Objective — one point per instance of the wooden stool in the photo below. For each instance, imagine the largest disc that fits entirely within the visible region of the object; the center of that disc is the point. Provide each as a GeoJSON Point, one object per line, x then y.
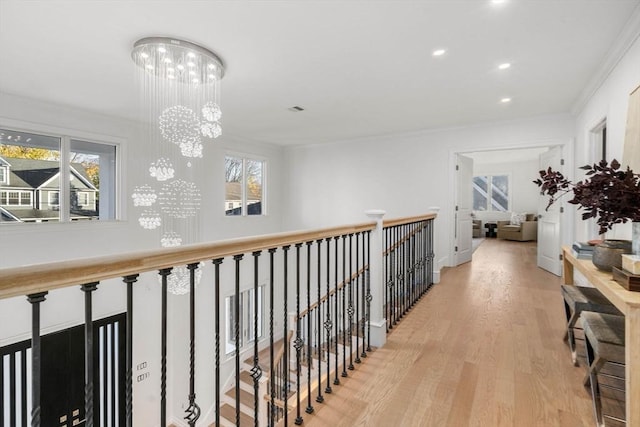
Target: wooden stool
{"type": "Point", "coordinates": [578, 299]}
{"type": "Point", "coordinates": [604, 340]}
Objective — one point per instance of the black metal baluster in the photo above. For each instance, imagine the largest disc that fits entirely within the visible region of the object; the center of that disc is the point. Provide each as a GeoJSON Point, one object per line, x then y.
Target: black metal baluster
{"type": "Point", "coordinates": [236, 329]}
{"type": "Point", "coordinates": [88, 288]}
{"type": "Point", "coordinates": [402, 272]}
{"type": "Point", "coordinates": [350, 310]}
{"type": "Point", "coordinates": [369, 296]}
{"type": "Point", "coordinates": [357, 297]}
{"type": "Point", "coordinates": [327, 323]}
{"type": "Point", "coordinates": [412, 266]}
{"type": "Point", "coordinates": [309, 409]}
{"type": "Point", "coordinates": [336, 381]}
{"type": "Point", "coordinates": [13, 413]}
{"type": "Point", "coordinates": [105, 357]}
{"type": "Point", "coordinates": [36, 360]}
{"type": "Point", "coordinates": [298, 342]}
{"type": "Point", "coordinates": [23, 386]}
{"type": "Point", "coordinates": [344, 306]}
{"type": "Point", "coordinates": [164, 273]}
{"type": "Point", "coordinates": [256, 371]}
{"type": "Point", "coordinates": [387, 277]}
{"type": "Point", "coordinates": [272, 372]}
{"type": "Point", "coordinates": [216, 284]}
{"type": "Point", "coordinates": [424, 258]}
{"type": "Point", "coordinates": [193, 411]}
{"type": "Point", "coordinates": [431, 254]}
{"type": "Point", "coordinates": [2, 390]}
{"type": "Point", "coordinates": [112, 380]}
{"type": "Point", "coordinates": [129, 281]}
{"type": "Point", "coordinates": [285, 343]}
{"type": "Point", "coordinates": [363, 302]}
{"type": "Point", "coordinates": [319, 398]}
{"type": "Point", "coordinates": [394, 276]}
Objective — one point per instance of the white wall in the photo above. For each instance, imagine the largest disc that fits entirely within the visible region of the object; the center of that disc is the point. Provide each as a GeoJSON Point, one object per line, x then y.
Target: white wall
{"type": "Point", "coordinates": [610, 101]}
{"type": "Point", "coordinates": [25, 244]}
{"type": "Point", "coordinates": [402, 174]}
{"type": "Point", "coordinates": [523, 192]}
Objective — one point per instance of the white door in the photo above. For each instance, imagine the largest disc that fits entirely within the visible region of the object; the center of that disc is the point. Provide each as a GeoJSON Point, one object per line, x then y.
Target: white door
{"type": "Point", "coordinates": [464, 205]}
{"type": "Point", "coordinates": [549, 220]}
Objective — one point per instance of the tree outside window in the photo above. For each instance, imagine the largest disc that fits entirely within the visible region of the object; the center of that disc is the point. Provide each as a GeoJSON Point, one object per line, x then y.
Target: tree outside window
{"type": "Point", "coordinates": [244, 186]}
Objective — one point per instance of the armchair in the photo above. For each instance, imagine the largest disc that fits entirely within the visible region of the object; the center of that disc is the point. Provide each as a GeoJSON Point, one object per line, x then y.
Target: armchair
{"type": "Point", "coordinates": [526, 231]}
{"type": "Point", "coordinates": [477, 228]}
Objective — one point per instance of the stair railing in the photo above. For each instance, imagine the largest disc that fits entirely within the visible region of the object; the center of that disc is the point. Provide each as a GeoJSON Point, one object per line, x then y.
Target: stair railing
{"type": "Point", "coordinates": [328, 269]}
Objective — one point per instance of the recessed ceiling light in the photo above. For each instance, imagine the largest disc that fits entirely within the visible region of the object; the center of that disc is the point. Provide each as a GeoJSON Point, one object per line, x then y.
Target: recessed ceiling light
{"type": "Point", "coordinates": [498, 1]}
{"type": "Point", "coordinates": [504, 66]}
{"type": "Point", "coordinates": [439, 52]}
{"type": "Point", "coordinates": [505, 100]}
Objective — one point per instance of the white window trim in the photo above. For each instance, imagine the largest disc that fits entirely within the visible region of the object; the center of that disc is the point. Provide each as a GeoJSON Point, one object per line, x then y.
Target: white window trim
{"type": "Point", "coordinates": [489, 185]}
{"type": "Point", "coordinates": [51, 193]}
{"type": "Point", "coordinates": [66, 135]}
{"type": "Point", "coordinates": [4, 175]}
{"type": "Point", "coordinates": [244, 206]}
{"type": "Point", "coordinates": [20, 193]}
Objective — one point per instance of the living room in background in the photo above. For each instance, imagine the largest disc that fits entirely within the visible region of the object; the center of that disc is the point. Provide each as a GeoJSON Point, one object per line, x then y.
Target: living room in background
{"type": "Point", "coordinates": [244, 186]}
{"type": "Point", "coordinates": [491, 193]}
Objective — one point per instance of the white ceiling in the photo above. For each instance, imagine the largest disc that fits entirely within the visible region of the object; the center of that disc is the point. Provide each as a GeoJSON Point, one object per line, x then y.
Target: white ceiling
{"type": "Point", "coordinates": [359, 68]}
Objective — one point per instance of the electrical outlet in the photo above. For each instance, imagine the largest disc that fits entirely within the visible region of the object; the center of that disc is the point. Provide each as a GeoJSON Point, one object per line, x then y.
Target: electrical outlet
{"type": "Point", "coordinates": [141, 366]}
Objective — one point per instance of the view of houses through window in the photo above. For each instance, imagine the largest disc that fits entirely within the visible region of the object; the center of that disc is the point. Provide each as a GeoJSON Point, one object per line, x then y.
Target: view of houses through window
{"type": "Point", "coordinates": [491, 193]}
{"type": "Point", "coordinates": [244, 186]}
{"type": "Point", "coordinates": [30, 184]}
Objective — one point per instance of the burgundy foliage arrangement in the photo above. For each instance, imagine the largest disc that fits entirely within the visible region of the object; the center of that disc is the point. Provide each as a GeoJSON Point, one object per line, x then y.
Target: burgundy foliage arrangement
{"type": "Point", "coordinates": [608, 193]}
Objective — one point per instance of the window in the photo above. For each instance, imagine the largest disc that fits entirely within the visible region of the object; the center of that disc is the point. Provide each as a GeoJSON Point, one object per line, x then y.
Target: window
{"type": "Point", "coordinates": [35, 162]}
{"type": "Point", "coordinates": [54, 198]}
{"type": "Point", "coordinates": [246, 318]}
{"type": "Point", "coordinates": [244, 186]}
{"type": "Point", "coordinates": [491, 193]}
{"type": "Point", "coordinates": [15, 198]}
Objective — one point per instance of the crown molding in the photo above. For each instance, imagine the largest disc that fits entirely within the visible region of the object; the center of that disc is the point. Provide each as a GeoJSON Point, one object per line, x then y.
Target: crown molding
{"type": "Point", "coordinates": [627, 37]}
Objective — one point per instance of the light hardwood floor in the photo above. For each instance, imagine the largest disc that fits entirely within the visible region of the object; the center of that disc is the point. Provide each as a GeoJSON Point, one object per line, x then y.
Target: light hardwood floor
{"type": "Point", "coordinates": [483, 348]}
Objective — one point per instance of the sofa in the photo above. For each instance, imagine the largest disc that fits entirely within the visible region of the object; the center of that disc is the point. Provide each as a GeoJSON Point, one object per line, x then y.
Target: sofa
{"type": "Point", "coordinates": [526, 231]}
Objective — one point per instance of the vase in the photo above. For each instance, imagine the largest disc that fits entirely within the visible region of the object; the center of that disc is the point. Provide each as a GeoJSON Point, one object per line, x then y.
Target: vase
{"type": "Point", "coordinates": [608, 254]}
{"type": "Point", "coordinates": [635, 237]}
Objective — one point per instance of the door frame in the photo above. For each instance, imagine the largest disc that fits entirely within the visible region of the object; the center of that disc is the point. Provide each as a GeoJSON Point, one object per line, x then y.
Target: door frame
{"type": "Point", "coordinates": [567, 221]}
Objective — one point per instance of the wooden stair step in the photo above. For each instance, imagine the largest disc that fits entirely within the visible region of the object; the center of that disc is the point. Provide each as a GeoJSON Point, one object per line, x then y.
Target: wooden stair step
{"type": "Point", "coordinates": [246, 398]}
{"type": "Point", "coordinates": [228, 412]}
{"type": "Point", "coordinates": [246, 377]}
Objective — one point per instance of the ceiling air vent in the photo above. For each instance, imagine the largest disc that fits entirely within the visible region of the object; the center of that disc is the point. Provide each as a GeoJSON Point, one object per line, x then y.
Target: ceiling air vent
{"type": "Point", "coordinates": [295, 109]}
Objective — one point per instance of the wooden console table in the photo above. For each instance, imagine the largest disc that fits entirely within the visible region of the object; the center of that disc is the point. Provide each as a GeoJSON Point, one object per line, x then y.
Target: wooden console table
{"type": "Point", "coordinates": [629, 304]}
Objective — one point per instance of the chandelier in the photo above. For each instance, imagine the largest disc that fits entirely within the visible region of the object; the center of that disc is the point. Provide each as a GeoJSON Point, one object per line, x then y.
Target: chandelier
{"type": "Point", "coordinates": [179, 84]}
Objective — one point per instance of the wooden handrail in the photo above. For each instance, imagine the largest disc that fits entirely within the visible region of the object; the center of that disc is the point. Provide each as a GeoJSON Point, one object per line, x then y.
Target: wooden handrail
{"type": "Point", "coordinates": [331, 292]}
{"type": "Point", "coordinates": [408, 220]}
{"type": "Point", "coordinates": [399, 242]}
{"type": "Point", "coordinates": [26, 280]}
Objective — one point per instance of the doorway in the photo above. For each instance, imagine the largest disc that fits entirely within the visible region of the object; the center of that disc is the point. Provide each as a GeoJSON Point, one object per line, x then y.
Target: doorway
{"type": "Point", "coordinates": [62, 380]}
{"type": "Point", "coordinates": [518, 167]}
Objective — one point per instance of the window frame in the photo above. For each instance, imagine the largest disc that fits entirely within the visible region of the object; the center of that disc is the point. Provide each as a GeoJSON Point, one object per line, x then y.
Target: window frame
{"type": "Point", "coordinates": [4, 174]}
{"type": "Point", "coordinates": [489, 177]}
{"type": "Point", "coordinates": [66, 136]}
{"type": "Point", "coordinates": [246, 321]}
{"type": "Point", "coordinates": [244, 211]}
{"type": "Point", "coordinates": [4, 195]}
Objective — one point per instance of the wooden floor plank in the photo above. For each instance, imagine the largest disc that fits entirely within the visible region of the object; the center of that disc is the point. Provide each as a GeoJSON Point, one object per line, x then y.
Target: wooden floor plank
{"type": "Point", "coordinates": [483, 347]}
